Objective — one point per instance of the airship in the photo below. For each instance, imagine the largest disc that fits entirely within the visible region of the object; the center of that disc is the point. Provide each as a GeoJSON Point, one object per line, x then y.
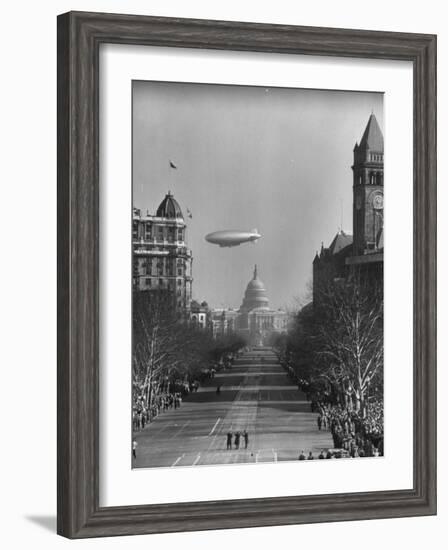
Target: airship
{"type": "Point", "coordinates": [232, 237]}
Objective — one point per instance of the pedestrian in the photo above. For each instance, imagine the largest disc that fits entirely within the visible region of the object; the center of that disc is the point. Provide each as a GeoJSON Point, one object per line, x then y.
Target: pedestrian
{"type": "Point", "coordinates": [140, 420]}
{"type": "Point", "coordinates": [329, 455]}
{"type": "Point", "coordinates": [246, 439]}
{"type": "Point", "coordinates": [302, 456]}
{"type": "Point", "coordinates": [310, 456]}
{"type": "Point", "coordinates": [134, 448]}
{"type": "Point", "coordinates": [229, 440]}
{"type": "Point", "coordinates": [218, 390]}
{"type": "Point", "coordinates": [319, 422]}
{"type": "Point", "coordinates": [321, 455]}
{"type": "Point", "coordinates": [237, 440]}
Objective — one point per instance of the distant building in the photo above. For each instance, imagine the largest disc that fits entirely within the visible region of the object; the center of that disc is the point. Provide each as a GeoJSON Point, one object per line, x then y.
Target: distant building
{"type": "Point", "coordinates": [255, 321]}
{"type": "Point", "coordinates": [330, 263]}
{"type": "Point", "coordinates": [223, 321]}
{"type": "Point", "coordinates": [200, 314]}
{"type": "Point", "coordinates": [161, 258]}
{"type": "Point", "coordinates": [363, 251]}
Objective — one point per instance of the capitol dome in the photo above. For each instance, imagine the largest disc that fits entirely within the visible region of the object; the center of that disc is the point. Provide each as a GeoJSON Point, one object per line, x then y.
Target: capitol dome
{"type": "Point", "coordinates": [255, 296]}
{"type": "Point", "coordinates": [169, 208]}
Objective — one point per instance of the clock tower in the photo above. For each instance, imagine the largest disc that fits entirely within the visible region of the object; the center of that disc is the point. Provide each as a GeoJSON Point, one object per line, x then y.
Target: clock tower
{"type": "Point", "coordinates": [368, 186]}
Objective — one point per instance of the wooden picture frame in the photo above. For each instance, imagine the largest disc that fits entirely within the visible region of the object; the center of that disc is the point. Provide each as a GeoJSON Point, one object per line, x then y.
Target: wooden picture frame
{"type": "Point", "coordinates": [79, 38]}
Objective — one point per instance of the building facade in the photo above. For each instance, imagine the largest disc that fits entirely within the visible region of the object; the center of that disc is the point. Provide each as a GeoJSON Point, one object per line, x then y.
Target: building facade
{"type": "Point", "coordinates": [368, 185]}
{"type": "Point", "coordinates": [161, 258]}
{"type": "Point", "coordinates": [200, 314]}
{"type": "Point", "coordinates": [361, 252]}
{"type": "Point", "coordinates": [223, 321]}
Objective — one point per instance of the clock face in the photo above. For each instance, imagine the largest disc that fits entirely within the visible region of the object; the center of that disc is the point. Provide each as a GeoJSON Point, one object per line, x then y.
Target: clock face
{"type": "Point", "coordinates": [378, 202]}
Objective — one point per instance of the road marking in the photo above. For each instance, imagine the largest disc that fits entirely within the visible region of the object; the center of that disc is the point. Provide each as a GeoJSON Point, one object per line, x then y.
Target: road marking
{"type": "Point", "coordinates": [180, 429]}
{"type": "Point", "coordinates": [197, 459]}
{"type": "Point", "coordinates": [214, 427]}
{"type": "Point", "coordinates": [177, 460]}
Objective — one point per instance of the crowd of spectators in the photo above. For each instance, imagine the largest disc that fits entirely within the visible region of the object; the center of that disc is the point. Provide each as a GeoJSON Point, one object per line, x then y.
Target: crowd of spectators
{"type": "Point", "coordinates": [142, 415]}
{"type": "Point", "coordinates": [357, 433]}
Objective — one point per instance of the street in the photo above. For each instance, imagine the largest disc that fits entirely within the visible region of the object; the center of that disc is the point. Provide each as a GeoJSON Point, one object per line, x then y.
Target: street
{"type": "Point", "coordinates": [257, 396]}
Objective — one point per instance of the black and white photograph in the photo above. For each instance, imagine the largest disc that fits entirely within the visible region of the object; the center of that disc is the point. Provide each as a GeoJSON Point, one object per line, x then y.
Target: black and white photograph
{"type": "Point", "coordinates": [257, 274]}
{"type": "Point", "coordinates": [204, 336]}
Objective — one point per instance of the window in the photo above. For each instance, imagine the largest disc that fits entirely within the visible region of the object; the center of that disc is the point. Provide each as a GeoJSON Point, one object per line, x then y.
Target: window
{"type": "Point", "coordinates": [179, 282]}
{"type": "Point", "coordinates": [148, 282]}
{"type": "Point", "coordinates": [179, 271]}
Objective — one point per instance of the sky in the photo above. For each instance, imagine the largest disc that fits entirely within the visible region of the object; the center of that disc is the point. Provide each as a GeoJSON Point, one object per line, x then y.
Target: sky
{"type": "Point", "coordinates": [275, 159]}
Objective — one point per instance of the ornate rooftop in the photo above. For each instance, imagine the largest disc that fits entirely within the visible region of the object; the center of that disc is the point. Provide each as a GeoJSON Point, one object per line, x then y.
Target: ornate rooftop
{"type": "Point", "coordinates": [169, 208]}
{"type": "Point", "coordinates": [255, 296]}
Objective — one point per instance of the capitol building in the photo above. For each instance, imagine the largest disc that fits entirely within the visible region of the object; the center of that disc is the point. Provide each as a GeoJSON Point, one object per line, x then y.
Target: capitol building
{"type": "Point", "coordinates": [162, 263]}
{"type": "Point", "coordinates": [255, 321]}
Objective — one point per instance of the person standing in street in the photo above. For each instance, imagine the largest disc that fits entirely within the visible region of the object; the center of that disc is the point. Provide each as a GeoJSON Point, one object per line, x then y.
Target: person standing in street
{"type": "Point", "coordinates": [134, 448]}
{"type": "Point", "coordinates": [246, 439]}
{"type": "Point", "coordinates": [229, 440]}
{"type": "Point", "coordinates": [237, 440]}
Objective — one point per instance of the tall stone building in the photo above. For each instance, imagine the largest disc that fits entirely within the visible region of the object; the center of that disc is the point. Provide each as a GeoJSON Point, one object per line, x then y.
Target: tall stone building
{"type": "Point", "coordinates": [361, 252]}
{"type": "Point", "coordinates": [368, 183]}
{"type": "Point", "coordinates": [161, 258]}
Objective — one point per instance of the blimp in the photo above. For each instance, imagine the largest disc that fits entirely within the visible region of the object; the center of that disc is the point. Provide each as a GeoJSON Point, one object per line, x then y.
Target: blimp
{"type": "Point", "coordinates": [233, 237]}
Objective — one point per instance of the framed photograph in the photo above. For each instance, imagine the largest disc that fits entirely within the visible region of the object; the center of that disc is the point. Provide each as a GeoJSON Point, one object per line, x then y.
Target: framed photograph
{"type": "Point", "coordinates": [246, 274]}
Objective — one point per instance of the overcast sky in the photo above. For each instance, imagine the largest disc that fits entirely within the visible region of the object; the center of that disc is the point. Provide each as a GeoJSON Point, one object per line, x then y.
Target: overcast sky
{"type": "Point", "coordinates": [274, 159]}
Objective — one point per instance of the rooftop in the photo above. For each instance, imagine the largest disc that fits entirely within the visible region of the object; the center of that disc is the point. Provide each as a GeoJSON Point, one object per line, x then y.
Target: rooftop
{"type": "Point", "coordinates": [372, 138]}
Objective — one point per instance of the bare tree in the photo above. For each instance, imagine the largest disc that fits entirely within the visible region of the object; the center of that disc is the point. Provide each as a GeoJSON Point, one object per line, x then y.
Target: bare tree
{"type": "Point", "coordinates": [166, 348]}
{"type": "Point", "coordinates": [351, 336]}
{"type": "Point", "coordinates": [336, 343]}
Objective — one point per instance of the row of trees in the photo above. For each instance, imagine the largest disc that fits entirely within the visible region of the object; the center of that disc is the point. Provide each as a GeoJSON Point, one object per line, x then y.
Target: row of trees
{"type": "Point", "coordinates": [167, 349]}
{"type": "Point", "coordinates": [336, 343]}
